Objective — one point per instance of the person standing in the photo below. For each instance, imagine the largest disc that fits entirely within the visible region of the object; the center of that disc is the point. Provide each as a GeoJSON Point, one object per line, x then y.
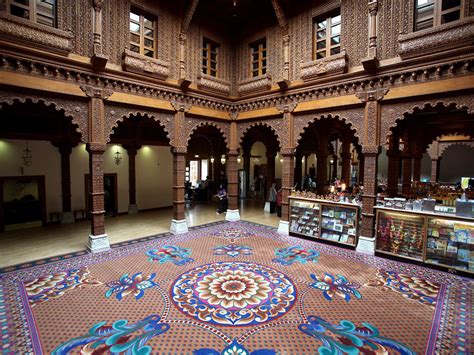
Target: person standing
{"type": "Point", "coordinates": [222, 196]}
{"type": "Point", "coordinates": [278, 201]}
{"type": "Point", "coordinates": [272, 198]}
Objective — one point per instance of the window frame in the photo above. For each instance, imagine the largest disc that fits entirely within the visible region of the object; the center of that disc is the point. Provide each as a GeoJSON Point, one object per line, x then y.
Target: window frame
{"type": "Point", "coordinates": [210, 47]}
{"type": "Point", "coordinates": [328, 17]}
{"type": "Point", "coordinates": [142, 15]}
{"type": "Point", "coordinates": [33, 11]}
{"type": "Point", "coordinates": [258, 47]}
{"type": "Point", "coordinates": [438, 14]}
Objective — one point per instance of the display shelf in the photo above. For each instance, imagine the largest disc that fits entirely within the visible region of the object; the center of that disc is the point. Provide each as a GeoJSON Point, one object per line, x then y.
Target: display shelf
{"type": "Point", "coordinates": [442, 241]}
{"type": "Point", "coordinates": [324, 220]}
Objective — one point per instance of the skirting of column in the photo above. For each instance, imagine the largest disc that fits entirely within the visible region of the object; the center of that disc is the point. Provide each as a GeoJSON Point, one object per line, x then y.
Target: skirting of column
{"type": "Point", "coordinates": [178, 227]}
{"type": "Point", "coordinates": [366, 245]}
{"type": "Point", "coordinates": [232, 215]}
{"type": "Point", "coordinates": [132, 209]}
{"type": "Point", "coordinates": [284, 227]}
{"type": "Point", "coordinates": [98, 243]}
{"type": "Point", "coordinates": [267, 207]}
{"type": "Point", "coordinates": [67, 218]}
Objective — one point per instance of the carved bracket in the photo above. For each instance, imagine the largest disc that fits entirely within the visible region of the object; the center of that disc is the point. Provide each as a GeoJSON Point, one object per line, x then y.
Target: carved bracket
{"type": "Point", "coordinates": [335, 64]}
{"type": "Point", "coordinates": [434, 40]}
{"type": "Point", "coordinates": [212, 84]}
{"type": "Point", "coordinates": [372, 95]}
{"type": "Point", "coordinates": [181, 106]}
{"type": "Point", "coordinates": [141, 64]}
{"type": "Point", "coordinates": [97, 93]}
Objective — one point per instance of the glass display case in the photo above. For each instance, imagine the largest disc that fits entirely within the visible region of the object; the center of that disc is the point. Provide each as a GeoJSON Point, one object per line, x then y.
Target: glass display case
{"type": "Point", "coordinates": [322, 219]}
{"type": "Point", "coordinates": [429, 237]}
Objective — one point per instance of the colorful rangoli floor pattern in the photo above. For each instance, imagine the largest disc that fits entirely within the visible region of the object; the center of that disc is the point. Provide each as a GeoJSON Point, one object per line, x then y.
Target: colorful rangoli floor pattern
{"type": "Point", "coordinates": [232, 288]}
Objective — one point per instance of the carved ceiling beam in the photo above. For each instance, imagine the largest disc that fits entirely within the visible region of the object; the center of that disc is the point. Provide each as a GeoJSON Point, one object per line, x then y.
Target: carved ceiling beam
{"type": "Point", "coordinates": [280, 14]}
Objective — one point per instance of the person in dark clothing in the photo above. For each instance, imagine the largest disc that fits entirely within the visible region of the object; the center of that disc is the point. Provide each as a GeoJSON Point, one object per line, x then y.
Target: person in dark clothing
{"type": "Point", "coordinates": [272, 197]}
{"type": "Point", "coordinates": [278, 202]}
{"type": "Point", "coordinates": [222, 196]}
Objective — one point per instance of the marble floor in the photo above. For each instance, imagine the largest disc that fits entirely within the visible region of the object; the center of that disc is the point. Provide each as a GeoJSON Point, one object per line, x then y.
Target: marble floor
{"type": "Point", "coordinates": [23, 245]}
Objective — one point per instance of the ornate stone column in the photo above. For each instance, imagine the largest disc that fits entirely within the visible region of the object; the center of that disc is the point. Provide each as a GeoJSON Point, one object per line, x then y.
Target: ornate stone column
{"type": "Point", "coordinates": [178, 224]}
{"type": "Point", "coordinates": [98, 239]}
{"type": "Point", "coordinates": [232, 213]}
{"type": "Point", "coordinates": [132, 185]}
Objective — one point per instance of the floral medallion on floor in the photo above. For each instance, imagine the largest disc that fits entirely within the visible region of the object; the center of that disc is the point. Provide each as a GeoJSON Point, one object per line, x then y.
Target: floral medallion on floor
{"type": "Point", "coordinates": [233, 250]}
{"type": "Point", "coordinates": [136, 285]}
{"type": "Point", "coordinates": [233, 293]}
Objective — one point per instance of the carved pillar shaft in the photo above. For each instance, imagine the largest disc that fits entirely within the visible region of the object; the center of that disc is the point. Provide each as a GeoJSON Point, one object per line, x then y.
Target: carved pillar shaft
{"type": "Point", "coordinates": [96, 187]}
{"type": "Point", "coordinates": [406, 174]}
{"type": "Point", "coordinates": [232, 179]}
{"type": "Point", "coordinates": [179, 167]}
{"type": "Point", "coordinates": [434, 170]}
{"type": "Point", "coordinates": [97, 4]}
{"type": "Point", "coordinates": [417, 168]}
{"type": "Point", "coordinates": [132, 186]}
{"type": "Point", "coordinates": [373, 7]}
{"type": "Point", "coordinates": [182, 55]}
{"type": "Point", "coordinates": [287, 170]}
{"type": "Point", "coordinates": [298, 167]}
{"type": "Point", "coordinates": [370, 190]}
{"type": "Point", "coordinates": [361, 169]}
{"type": "Point", "coordinates": [246, 157]}
{"type": "Point", "coordinates": [346, 161]}
{"type": "Point", "coordinates": [322, 171]}
{"type": "Point", "coordinates": [270, 169]}
{"type": "Point", "coordinates": [286, 57]}
{"type": "Point", "coordinates": [65, 152]}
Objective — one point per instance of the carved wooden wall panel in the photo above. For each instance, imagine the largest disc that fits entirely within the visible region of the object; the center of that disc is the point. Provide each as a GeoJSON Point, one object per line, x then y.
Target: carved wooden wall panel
{"type": "Point", "coordinates": [392, 19]}
{"type": "Point", "coordinates": [392, 113]}
{"type": "Point", "coordinates": [277, 125]}
{"type": "Point", "coordinates": [115, 114]}
{"type": "Point", "coordinates": [76, 110]}
{"type": "Point", "coordinates": [354, 30]}
{"type": "Point", "coordinates": [191, 124]}
{"type": "Point", "coordinates": [354, 117]}
{"type": "Point", "coordinates": [79, 20]}
{"type": "Point", "coordinates": [115, 29]}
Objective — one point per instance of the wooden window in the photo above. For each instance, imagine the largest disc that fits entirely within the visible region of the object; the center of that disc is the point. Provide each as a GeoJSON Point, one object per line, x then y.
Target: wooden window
{"type": "Point", "coordinates": [258, 53]}
{"type": "Point", "coordinates": [40, 11]}
{"type": "Point", "coordinates": [142, 33]}
{"type": "Point", "coordinates": [431, 13]}
{"type": "Point", "coordinates": [209, 57]}
{"type": "Point", "coordinates": [327, 35]}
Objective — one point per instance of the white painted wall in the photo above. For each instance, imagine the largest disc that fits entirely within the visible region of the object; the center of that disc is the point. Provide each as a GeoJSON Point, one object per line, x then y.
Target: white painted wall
{"type": "Point", "coordinates": [154, 169]}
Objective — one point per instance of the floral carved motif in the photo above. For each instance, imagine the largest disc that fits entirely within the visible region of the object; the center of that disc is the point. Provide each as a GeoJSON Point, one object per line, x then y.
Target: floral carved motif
{"type": "Point", "coordinates": [393, 113]}
{"type": "Point", "coordinates": [115, 114]}
{"type": "Point", "coordinates": [436, 39]}
{"type": "Point", "coordinates": [335, 64]}
{"type": "Point", "coordinates": [353, 117]}
{"type": "Point", "coordinates": [212, 84]}
{"type": "Point", "coordinates": [141, 64]}
{"type": "Point", "coordinates": [253, 85]}
{"type": "Point", "coordinates": [34, 34]}
{"type": "Point", "coordinates": [76, 110]}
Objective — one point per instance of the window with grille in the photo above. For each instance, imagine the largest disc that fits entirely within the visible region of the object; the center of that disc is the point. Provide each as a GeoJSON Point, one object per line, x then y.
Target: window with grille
{"type": "Point", "coordinates": [209, 57]}
{"type": "Point", "coordinates": [142, 33]}
{"type": "Point", "coordinates": [258, 53]}
{"type": "Point", "coordinates": [327, 35]}
{"type": "Point", "coordinates": [39, 11]}
{"type": "Point", "coordinates": [431, 13]}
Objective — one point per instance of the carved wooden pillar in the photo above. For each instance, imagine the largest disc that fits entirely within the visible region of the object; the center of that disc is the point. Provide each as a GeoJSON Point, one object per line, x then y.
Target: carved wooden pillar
{"type": "Point", "coordinates": [393, 154]}
{"type": "Point", "coordinates": [370, 190]}
{"type": "Point", "coordinates": [346, 161]}
{"type": "Point", "coordinates": [417, 167]}
{"type": "Point", "coordinates": [270, 168]}
{"type": "Point", "coordinates": [98, 58]}
{"type": "Point", "coordinates": [371, 62]}
{"type": "Point", "coordinates": [132, 185]}
{"type": "Point", "coordinates": [287, 181]}
{"type": "Point", "coordinates": [321, 168]}
{"type": "Point", "coordinates": [98, 240]}
{"type": "Point", "coordinates": [246, 157]}
{"type": "Point", "coordinates": [65, 149]}
{"type": "Point", "coordinates": [232, 213]}
{"type": "Point", "coordinates": [406, 172]}
{"type": "Point", "coordinates": [361, 169]}
{"type": "Point", "coordinates": [434, 170]}
{"type": "Point", "coordinates": [298, 168]}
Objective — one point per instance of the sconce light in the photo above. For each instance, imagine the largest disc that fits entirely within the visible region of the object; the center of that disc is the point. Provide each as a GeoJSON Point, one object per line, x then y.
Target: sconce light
{"type": "Point", "coordinates": [331, 161]}
{"type": "Point", "coordinates": [196, 155]}
{"type": "Point", "coordinates": [302, 160]}
{"type": "Point", "coordinates": [281, 160]}
{"type": "Point", "coordinates": [26, 156]}
{"type": "Point", "coordinates": [118, 157]}
{"type": "Point", "coordinates": [212, 160]}
{"type": "Point", "coordinates": [239, 159]}
{"type": "Point", "coordinates": [223, 159]}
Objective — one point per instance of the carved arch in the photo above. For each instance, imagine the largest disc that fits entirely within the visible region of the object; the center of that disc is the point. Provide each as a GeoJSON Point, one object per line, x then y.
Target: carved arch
{"type": "Point", "coordinates": [392, 114]}
{"type": "Point", "coordinates": [444, 147]}
{"type": "Point", "coordinates": [77, 111]}
{"type": "Point", "coordinates": [115, 114]}
{"type": "Point", "coordinates": [191, 124]}
{"type": "Point", "coordinates": [354, 118]}
{"type": "Point", "coordinates": [244, 128]}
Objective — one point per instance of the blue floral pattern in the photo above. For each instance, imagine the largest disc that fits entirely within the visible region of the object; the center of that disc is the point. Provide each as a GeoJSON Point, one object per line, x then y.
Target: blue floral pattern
{"type": "Point", "coordinates": [294, 254]}
{"type": "Point", "coordinates": [172, 253]}
{"type": "Point", "coordinates": [336, 286]}
{"type": "Point", "coordinates": [234, 348]}
{"type": "Point", "coordinates": [233, 250]}
{"type": "Point", "coordinates": [127, 285]}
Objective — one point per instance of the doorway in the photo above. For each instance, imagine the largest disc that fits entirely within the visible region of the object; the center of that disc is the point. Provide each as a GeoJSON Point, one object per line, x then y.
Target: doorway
{"type": "Point", "coordinates": [110, 194]}
{"type": "Point", "coordinates": [23, 202]}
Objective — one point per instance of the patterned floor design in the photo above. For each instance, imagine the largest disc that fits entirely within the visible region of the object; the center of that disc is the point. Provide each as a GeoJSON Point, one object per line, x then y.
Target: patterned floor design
{"type": "Point", "coordinates": [232, 288]}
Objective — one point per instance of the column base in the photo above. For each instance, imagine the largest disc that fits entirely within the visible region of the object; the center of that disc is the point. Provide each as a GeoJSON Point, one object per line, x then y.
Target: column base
{"type": "Point", "coordinates": [267, 207]}
{"type": "Point", "coordinates": [98, 243]}
{"type": "Point", "coordinates": [232, 215]}
{"type": "Point", "coordinates": [366, 245]}
{"type": "Point", "coordinates": [132, 209]}
{"type": "Point", "coordinates": [284, 227]}
{"type": "Point", "coordinates": [178, 227]}
{"type": "Point", "coordinates": [67, 218]}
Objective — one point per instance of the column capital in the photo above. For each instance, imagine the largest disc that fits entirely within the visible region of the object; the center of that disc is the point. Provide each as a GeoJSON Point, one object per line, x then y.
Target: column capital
{"type": "Point", "coordinates": [287, 152]}
{"type": "Point", "coordinates": [373, 7]}
{"type": "Point", "coordinates": [97, 148]}
{"type": "Point", "coordinates": [371, 150]}
{"type": "Point", "coordinates": [179, 150]}
{"type": "Point", "coordinates": [233, 153]}
{"type": "Point", "coordinates": [98, 4]}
